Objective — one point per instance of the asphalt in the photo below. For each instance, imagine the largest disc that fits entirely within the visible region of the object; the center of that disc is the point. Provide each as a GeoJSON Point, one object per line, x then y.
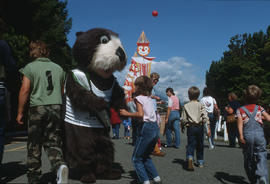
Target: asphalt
{"type": "Point", "coordinates": [222, 165]}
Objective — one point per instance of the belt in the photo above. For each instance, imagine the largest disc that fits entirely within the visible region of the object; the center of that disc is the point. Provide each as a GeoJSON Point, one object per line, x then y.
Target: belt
{"type": "Point", "coordinates": [194, 124]}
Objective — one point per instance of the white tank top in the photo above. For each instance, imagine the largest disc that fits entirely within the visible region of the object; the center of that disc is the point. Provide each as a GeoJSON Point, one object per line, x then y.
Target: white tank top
{"type": "Point", "coordinates": [80, 117]}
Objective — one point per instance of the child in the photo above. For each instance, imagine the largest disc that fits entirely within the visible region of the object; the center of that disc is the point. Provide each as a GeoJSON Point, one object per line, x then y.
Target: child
{"type": "Point", "coordinates": [251, 135]}
{"type": "Point", "coordinates": [194, 116]}
{"type": "Point", "coordinates": [115, 121]}
{"type": "Point", "coordinates": [148, 131]}
{"type": "Point", "coordinates": [127, 125]}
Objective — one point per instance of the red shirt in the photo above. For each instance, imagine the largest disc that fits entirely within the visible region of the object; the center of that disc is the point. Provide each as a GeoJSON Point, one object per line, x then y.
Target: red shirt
{"type": "Point", "coordinates": [115, 118]}
{"type": "Point", "coordinates": [250, 108]}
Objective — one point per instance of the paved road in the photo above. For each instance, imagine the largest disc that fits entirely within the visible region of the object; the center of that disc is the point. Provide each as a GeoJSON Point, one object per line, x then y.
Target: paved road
{"type": "Point", "coordinates": [223, 164]}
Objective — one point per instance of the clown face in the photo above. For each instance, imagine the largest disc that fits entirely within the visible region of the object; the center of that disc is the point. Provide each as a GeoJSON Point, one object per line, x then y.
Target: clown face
{"type": "Point", "coordinates": [143, 49]}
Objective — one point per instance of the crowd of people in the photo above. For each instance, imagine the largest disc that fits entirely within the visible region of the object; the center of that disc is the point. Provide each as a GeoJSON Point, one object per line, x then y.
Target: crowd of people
{"type": "Point", "coordinates": [141, 121]}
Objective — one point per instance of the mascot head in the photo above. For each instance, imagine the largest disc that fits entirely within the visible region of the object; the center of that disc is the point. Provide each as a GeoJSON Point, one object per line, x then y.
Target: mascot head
{"type": "Point", "coordinates": [99, 50]}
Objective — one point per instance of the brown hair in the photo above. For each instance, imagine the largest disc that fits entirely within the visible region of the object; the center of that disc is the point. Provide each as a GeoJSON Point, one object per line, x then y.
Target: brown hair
{"type": "Point", "coordinates": [143, 86]}
{"type": "Point", "coordinates": [252, 94]}
{"type": "Point", "coordinates": [170, 90]}
{"type": "Point", "coordinates": [233, 96]}
{"type": "Point", "coordinates": [38, 49]}
{"type": "Point", "coordinates": [193, 93]}
{"type": "Point", "coordinates": [154, 75]}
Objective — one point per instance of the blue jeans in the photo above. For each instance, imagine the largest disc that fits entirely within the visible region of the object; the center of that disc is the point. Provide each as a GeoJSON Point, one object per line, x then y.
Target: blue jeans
{"type": "Point", "coordinates": [173, 125]}
{"type": "Point", "coordinates": [195, 136]}
{"type": "Point", "coordinates": [135, 130]}
{"type": "Point", "coordinates": [115, 129]}
{"type": "Point", "coordinates": [212, 126]}
{"type": "Point", "coordinates": [126, 132]}
{"type": "Point", "coordinates": [255, 156]}
{"type": "Point", "coordinates": [145, 144]}
{"type": "Point", "coordinates": [2, 122]}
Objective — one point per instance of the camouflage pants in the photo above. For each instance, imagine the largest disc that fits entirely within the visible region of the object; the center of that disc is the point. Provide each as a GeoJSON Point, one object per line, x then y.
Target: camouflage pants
{"type": "Point", "coordinates": [44, 129]}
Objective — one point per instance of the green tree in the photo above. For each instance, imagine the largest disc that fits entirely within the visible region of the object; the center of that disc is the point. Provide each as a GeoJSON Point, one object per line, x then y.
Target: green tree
{"type": "Point", "coordinates": [29, 20]}
{"type": "Point", "coordinates": [246, 62]}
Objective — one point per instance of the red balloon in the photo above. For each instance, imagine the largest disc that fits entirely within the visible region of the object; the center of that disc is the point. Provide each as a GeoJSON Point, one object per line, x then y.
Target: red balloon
{"type": "Point", "coordinates": [154, 13]}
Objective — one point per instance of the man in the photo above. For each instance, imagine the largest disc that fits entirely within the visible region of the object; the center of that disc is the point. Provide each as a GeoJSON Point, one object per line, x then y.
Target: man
{"type": "Point", "coordinates": [7, 68]}
{"type": "Point", "coordinates": [155, 78]}
{"type": "Point", "coordinates": [42, 82]}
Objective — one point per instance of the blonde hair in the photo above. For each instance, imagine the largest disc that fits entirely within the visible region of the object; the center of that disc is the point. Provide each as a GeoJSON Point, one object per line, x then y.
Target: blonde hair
{"type": "Point", "coordinates": [252, 94]}
{"type": "Point", "coordinates": [233, 96]}
{"type": "Point", "coordinates": [154, 75]}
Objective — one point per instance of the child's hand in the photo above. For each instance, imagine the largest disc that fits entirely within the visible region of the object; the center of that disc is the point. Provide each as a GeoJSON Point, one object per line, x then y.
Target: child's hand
{"type": "Point", "coordinates": [123, 112]}
{"type": "Point", "coordinates": [242, 140]}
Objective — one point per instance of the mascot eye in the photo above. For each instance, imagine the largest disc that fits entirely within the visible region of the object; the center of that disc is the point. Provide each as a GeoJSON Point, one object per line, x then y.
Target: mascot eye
{"type": "Point", "coordinates": [104, 39]}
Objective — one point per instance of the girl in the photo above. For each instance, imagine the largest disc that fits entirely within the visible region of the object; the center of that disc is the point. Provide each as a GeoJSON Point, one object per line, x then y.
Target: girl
{"type": "Point", "coordinates": [148, 131]}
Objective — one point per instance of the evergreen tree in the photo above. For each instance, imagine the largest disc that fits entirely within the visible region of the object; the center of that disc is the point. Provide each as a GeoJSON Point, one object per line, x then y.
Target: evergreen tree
{"type": "Point", "coordinates": [246, 62]}
{"type": "Point", "coordinates": [29, 20]}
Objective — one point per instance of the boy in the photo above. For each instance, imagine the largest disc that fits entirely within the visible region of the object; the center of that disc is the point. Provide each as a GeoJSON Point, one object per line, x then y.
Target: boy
{"type": "Point", "coordinates": [251, 135]}
{"type": "Point", "coordinates": [194, 116]}
{"type": "Point", "coordinates": [42, 84]}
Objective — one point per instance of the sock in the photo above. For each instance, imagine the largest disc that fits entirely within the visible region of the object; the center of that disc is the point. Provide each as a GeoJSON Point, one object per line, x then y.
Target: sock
{"type": "Point", "coordinates": [157, 179]}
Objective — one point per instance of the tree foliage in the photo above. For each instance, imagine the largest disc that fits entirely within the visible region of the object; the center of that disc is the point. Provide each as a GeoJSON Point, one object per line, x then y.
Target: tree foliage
{"type": "Point", "coordinates": [246, 62]}
{"type": "Point", "coordinates": [45, 20]}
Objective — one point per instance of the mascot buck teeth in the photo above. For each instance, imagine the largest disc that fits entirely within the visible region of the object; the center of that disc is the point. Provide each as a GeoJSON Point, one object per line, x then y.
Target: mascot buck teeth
{"type": "Point", "coordinates": [90, 90]}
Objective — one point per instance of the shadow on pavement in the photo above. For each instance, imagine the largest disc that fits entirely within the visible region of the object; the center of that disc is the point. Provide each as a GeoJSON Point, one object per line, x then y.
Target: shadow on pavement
{"type": "Point", "coordinates": [226, 177]}
{"type": "Point", "coordinates": [268, 156]}
{"type": "Point", "coordinates": [75, 174]}
{"type": "Point", "coordinates": [12, 170]}
{"type": "Point", "coordinates": [181, 162]}
{"type": "Point", "coordinates": [48, 178]}
{"type": "Point", "coordinates": [133, 175]}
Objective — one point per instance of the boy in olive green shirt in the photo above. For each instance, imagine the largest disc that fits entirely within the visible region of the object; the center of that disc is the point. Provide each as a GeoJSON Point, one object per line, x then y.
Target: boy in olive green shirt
{"type": "Point", "coordinates": [42, 83]}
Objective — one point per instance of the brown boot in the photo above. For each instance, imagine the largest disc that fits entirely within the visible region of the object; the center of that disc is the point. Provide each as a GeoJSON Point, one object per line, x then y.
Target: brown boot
{"type": "Point", "coordinates": [190, 165]}
{"type": "Point", "coordinates": [113, 174]}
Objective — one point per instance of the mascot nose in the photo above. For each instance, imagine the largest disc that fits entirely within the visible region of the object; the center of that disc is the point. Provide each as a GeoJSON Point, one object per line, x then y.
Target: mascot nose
{"type": "Point", "coordinates": [120, 52]}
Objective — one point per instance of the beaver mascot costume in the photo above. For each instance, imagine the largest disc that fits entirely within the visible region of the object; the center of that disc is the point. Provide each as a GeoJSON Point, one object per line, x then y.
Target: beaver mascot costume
{"type": "Point", "coordinates": [91, 89]}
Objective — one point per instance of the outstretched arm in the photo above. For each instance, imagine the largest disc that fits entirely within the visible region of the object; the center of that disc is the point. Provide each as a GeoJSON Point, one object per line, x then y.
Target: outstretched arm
{"type": "Point", "coordinates": [82, 98]}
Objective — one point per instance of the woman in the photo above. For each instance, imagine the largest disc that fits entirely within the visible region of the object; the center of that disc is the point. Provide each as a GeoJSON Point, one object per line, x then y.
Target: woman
{"type": "Point", "coordinates": [210, 104]}
{"type": "Point", "coordinates": [172, 119]}
{"type": "Point", "coordinates": [232, 126]}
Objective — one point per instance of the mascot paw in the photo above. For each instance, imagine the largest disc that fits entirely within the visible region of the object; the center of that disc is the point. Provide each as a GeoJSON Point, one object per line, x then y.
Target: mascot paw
{"type": "Point", "coordinates": [88, 178]}
{"type": "Point", "coordinates": [113, 174]}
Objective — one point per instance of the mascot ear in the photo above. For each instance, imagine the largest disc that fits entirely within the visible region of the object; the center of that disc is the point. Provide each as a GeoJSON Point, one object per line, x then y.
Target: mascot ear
{"type": "Point", "coordinates": [79, 33]}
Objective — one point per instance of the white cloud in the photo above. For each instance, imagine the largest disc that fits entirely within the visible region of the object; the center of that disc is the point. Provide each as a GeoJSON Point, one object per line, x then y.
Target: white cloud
{"type": "Point", "coordinates": [176, 72]}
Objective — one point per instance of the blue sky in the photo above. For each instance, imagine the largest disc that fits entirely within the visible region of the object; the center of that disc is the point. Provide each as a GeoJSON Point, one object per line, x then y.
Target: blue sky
{"type": "Point", "coordinates": [185, 37]}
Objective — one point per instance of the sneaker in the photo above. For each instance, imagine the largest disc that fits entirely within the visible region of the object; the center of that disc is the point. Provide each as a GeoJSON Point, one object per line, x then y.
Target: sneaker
{"type": "Point", "coordinates": [200, 165]}
{"type": "Point", "coordinates": [211, 147]}
{"type": "Point", "coordinates": [190, 165]}
{"type": "Point", "coordinates": [157, 180]}
{"type": "Point", "coordinates": [62, 175]}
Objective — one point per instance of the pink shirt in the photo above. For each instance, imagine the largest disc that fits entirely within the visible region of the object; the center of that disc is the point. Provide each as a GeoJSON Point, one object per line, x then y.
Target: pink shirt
{"type": "Point", "coordinates": [149, 114]}
{"type": "Point", "coordinates": [173, 102]}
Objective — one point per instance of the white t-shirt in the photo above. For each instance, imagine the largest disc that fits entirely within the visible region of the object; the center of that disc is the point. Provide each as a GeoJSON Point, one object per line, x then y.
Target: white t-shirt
{"type": "Point", "coordinates": [208, 103]}
{"type": "Point", "coordinates": [148, 108]}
